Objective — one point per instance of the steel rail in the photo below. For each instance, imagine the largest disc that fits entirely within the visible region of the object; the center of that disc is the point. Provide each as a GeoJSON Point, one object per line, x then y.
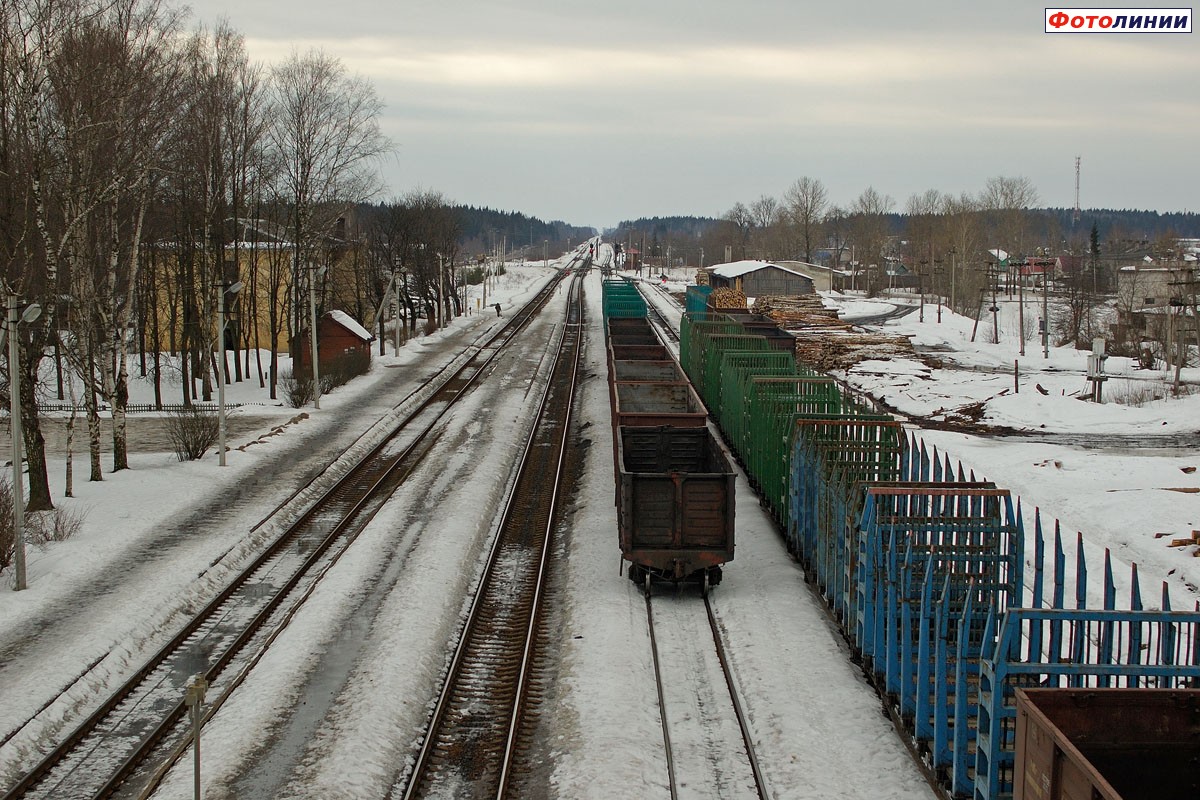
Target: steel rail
{"type": "Point", "coordinates": [531, 633]}
{"type": "Point", "coordinates": [149, 742]}
{"type": "Point", "coordinates": [662, 324]}
{"type": "Point", "coordinates": [760, 781]}
{"type": "Point", "coordinates": [734, 695]}
{"type": "Point", "coordinates": [422, 764]}
{"type": "Point", "coordinates": [662, 699]}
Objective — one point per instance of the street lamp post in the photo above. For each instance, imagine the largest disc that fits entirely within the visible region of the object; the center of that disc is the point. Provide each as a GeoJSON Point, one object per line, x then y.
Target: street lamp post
{"type": "Point", "coordinates": [227, 289]}
{"type": "Point", "coordinates": [17, 315]}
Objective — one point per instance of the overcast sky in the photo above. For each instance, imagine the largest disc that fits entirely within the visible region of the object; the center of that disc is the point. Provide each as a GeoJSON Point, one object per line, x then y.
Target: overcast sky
{"type": "Point", "coordinates": [597, 112]}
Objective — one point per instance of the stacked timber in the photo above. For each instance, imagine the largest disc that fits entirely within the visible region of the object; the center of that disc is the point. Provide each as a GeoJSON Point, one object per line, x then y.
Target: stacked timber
{"type": "Point", "coordinates": [799, 311]}
{"type": "Point", "coordinates": [726, 299]}
{"type": "Point", "coordinates": [825, 342]}
{"type": "Point", "coordinates": [828, 349]}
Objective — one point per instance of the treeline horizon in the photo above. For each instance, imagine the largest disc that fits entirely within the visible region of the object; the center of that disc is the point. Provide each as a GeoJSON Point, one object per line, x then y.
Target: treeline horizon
{"type": "Point", "coordinates": [1131, 224]}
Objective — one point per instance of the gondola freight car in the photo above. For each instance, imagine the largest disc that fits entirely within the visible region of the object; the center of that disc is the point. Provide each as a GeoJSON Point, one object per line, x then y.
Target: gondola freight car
{"type": "Point", "coordinates": [674, 480]}
{"type": "Point", "coordinates": [1107, 744]}
{"type": "Point", "coordinates": [675, 516]}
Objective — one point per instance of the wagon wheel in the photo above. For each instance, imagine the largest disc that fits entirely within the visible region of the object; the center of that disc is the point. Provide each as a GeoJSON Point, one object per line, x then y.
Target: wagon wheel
{"type": "Point", "coordinates": [647, 583]}
{"type": "Point", "coordinates": [707, 587]}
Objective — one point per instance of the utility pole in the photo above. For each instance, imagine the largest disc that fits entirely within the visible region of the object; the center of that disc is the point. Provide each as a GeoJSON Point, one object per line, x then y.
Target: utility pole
{"type": "Point", "coordinates": [1045, 313]}
{"type": "Point", "coordinates": [1075, 212]}
{"type": "Point", "coordinates": [18, 481]}
{"type": "Point", "coordinates": [921, 291]}
{"type": "Point", "coordinates": [313, 274]}
{"type": "Point", "coordinates": [1021, 308]}
{"type": "Point", "coordinates": [15, 317]}
{"type": "Point", "coordinates": [441, 292]}
{"type": "Point", "coordinates": [995, 312]}
{"type": "Point", "coordinates": [953, 270]}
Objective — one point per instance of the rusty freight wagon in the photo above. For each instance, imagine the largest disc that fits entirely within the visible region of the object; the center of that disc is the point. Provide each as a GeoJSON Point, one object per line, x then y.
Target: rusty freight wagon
{"type": "Point", "coordinates": [675, 504]}
{"type": "Point", "coordinates": [674, 480]}
{"type": "Point", "coordinates": [645, 403]}
{"type": "Point", "coordinates": [1108, 744]}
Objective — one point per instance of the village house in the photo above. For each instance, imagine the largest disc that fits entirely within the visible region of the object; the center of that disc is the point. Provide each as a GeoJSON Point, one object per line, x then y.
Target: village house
{"type": "Point", "coordinates": [1156, 302]}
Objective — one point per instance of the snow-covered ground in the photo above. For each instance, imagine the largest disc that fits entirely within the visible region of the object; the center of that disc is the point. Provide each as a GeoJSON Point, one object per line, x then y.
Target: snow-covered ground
{"type": "Point", "coordinates": [184, 526]}
{"type": "Point", "coordinates": [1124, 476]}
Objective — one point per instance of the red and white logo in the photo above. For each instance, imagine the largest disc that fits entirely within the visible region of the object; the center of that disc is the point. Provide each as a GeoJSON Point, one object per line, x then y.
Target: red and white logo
{"type": "Point", "coordinates": [1118, 20]}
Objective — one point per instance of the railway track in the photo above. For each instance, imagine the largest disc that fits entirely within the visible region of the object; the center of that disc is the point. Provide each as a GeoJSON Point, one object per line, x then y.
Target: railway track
{"type": "Point", "coordinates": [710, 752]}
{"type": "Point", "coordinates": [129, 741]}
{"type": "Point", "coordinates": [474, 744]}
{"type": "Point", "coordinates": [659, 320]}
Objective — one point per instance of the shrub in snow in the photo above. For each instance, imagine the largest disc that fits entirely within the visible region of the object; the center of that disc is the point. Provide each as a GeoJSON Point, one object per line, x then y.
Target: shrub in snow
{"type": "Point", "coordinates": [40, 527]}
{"type": "Point", "coordinates": [1141, 392]}
{"type": "Point", "coordinates": [344, 369]}
{"type": "Point", "coordinates": [58, 525]}
{"type": "Point", "coordinates": [297, 389]}
{"type": "Point", "coordinates": [192, 431]}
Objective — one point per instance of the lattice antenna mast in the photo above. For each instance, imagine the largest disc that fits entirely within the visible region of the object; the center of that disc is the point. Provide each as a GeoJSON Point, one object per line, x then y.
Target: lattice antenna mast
{"type": "Point", "coordinates": [1076, 212]}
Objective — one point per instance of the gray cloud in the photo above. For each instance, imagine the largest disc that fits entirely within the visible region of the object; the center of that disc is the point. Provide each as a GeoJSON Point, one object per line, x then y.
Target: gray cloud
{"type": "Point", "coordinates": [599, 112]}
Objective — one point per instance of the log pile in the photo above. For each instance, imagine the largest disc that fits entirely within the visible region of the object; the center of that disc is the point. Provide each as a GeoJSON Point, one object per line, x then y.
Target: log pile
{"type": "Point", "coordinates": [828, 350]}
{"type": "Point", "coordinates": [799, 311]}
{"type": "Point", "coordinates": [823, 341]}
{"type": "Point", "coordinates": [725, 299]}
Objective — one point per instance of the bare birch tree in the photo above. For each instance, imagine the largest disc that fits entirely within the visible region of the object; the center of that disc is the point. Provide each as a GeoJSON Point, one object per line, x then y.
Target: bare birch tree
{"type": "Point", "coordinates": [326, 137]}
{"type": "Point", "coordinates": [869, 230]}
{"type": "Point", "coordinates": [965, 235]}
{"type": "Point", "coordinates": [807, 201]}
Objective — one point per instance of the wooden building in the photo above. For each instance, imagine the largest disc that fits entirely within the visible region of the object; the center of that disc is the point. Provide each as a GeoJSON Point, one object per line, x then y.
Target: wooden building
{"type": "Point", "coordinates": [339, 337]}
{"type": "Point", "coordinates": [760, 278]}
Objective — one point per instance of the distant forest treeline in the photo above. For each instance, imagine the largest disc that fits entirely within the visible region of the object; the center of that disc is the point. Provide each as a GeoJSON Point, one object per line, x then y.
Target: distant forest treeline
{"type": "Point", "coordinates": [484, 231]}
{"type": "Point", "coordinates": [1131, 225]}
